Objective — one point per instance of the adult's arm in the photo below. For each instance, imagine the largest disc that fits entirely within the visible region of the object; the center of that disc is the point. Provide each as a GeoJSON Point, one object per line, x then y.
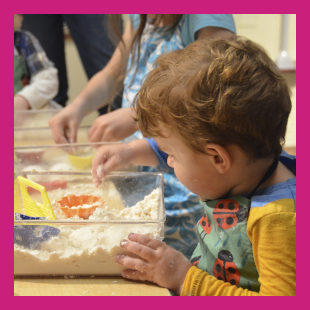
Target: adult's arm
{"type": "Point", "coordinates": [214, 32]}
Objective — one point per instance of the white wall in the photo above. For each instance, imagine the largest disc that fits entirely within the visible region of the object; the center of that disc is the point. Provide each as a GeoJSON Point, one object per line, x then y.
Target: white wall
{"type": "Point", "coordinates": [265, 29]}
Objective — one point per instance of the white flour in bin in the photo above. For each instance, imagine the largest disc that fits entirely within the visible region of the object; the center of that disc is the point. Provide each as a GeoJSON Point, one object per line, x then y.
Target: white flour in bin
{"type": "Point", "coordinates": [88, 249]}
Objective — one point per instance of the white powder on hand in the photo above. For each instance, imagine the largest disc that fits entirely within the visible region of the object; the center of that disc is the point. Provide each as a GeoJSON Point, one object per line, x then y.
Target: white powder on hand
{"type": "Point", "coordinates": [100, 171]}
{"type": "Point", "coordinates": [89, 249]}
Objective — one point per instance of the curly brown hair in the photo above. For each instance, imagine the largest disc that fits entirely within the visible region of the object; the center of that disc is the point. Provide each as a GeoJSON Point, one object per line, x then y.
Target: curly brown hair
{"type": "Point", "coordinates": [220, 91]}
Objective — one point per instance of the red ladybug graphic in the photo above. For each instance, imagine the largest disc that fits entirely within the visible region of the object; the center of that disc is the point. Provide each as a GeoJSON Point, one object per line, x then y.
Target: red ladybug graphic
{"type": "Point", "coordinates": [206, 226]}
{"type": "Point", "coordinates": [225, 269]}
{"type": "Point", "coordinates": [228, 213]}
{"type": "Point", "coordinates": [195, 260]}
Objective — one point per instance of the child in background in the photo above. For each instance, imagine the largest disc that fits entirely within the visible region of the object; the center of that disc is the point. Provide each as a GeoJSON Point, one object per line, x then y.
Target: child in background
{"type": "Point", "coordinates": [217, 113]}
{"type": "Point", "coordinates": [146, 36]}
{"type": "Point", "coordinates": [35, 77]}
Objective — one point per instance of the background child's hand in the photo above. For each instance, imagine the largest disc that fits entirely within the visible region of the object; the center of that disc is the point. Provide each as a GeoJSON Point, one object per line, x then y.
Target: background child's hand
{"type": "Point", "coordinates": [20, 103]}
{"type": "Point", "coordinates": [109, 158]}
{"type": "Point", "coordinates": [113, 126]}
{"type": "Point", "coordinates": [157, 262]}
{"type": "Point", "coordinates": [64, 125]}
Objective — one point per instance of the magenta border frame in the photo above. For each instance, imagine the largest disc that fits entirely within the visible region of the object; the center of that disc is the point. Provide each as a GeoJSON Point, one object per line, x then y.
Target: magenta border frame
{"type": "Point", "coordinates": [74, 7]}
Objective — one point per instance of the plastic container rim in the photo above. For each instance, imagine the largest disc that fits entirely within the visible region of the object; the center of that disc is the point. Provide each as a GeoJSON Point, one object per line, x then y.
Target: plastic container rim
{"type": "Point", "coordinates": [65, 145]}
{"type": "Point", "coordinates": [31, 111]}
{"type": "Point", "coordinates": [44, 128]}
{"type": "Point", "coordinates": [161, 219]}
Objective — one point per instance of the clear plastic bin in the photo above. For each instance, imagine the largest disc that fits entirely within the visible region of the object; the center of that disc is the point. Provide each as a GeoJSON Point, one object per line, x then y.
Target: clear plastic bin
{"type": "Point", "coordinates": [43, 136]}
{"type": "Point", "coordinates": [61, 158]}
{"type": "Point", "coordinates": [33, 118]}
{"type": "Point", "coordinates": [84, 247]}
{"type": "Point", "coordinates": [39, 118]}
{"type": "Point", "coordinates": [58, 157]}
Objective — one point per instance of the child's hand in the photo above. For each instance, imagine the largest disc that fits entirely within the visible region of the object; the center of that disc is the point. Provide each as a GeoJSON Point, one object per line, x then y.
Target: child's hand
{"type": "Point", "coordinates": [109, 158]}
{"type": "Point", "coordinates": [159, 263]}
{"type": "Point", "coordinates": [112, 157]}
{"type": "Point", "coordinates": [64, 125]}
{"type": "Point", "coordinates": [113, 126]}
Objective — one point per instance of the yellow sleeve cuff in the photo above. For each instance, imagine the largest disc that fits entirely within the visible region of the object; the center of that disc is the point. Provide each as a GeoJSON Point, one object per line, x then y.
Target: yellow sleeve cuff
{"type": "Point", "coordinates": [201, 283]}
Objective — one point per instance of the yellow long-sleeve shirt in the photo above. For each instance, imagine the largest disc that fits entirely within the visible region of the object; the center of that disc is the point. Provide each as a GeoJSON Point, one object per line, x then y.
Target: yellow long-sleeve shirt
{"type": "Point", "coordinates": [272, 232]}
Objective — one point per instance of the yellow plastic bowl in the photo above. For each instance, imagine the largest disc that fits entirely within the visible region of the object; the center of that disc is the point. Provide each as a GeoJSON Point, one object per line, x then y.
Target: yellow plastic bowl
{"type": "Point", "coordinates": [81, 162]}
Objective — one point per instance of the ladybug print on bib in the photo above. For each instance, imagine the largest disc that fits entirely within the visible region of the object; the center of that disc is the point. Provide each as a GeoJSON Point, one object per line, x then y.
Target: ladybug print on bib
{"type": "Point", "coordinates": [195, 260]}
{"type": "Point", "coordinates": [228, 213]}
{"type": "Point", "coordinates": [206, 226]}
{"type": "Point", "coordinates": [225, 269]}
{"type": "Point", "coordinates": [224, 249]}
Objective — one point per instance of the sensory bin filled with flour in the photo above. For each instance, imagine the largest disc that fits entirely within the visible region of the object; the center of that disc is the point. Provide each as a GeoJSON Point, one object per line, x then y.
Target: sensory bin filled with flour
{"type": "Point", "coordinates": [79, 243]}
{"type": "Point", "coordinates": [76, 157]}
{"type": "Point", "coordinates": [60, 158]}
{"type": "Point", "coordinates": [31, 136]}
{"type": "Point", "coordinates": [39, 118]}
{"type": "Point", "coordinates": [35, 118]}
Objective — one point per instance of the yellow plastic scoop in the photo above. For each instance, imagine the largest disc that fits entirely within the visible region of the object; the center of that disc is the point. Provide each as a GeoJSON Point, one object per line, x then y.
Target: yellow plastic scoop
{"type": "Point", "coordinates": [24, 204]}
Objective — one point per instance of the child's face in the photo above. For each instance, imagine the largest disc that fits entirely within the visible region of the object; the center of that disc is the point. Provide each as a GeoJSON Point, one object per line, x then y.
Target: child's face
{"type": "Point", "coordinates": [194, 170]}
{"type": "Point", "coordinates": [18, 20]}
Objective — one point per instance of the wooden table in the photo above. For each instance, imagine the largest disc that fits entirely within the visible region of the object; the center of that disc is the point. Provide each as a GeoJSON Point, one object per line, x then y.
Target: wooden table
{"type": "Point", "coordinates": [85, 287]}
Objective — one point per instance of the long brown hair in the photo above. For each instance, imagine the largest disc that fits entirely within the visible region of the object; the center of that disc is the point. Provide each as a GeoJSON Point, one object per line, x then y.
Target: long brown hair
{"type": "Point", "coordinates": [115, 20]}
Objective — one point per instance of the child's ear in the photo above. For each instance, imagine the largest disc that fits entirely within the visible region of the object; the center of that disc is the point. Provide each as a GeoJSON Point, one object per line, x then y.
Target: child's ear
{"type": "Point", "coordinates": [220, 157]}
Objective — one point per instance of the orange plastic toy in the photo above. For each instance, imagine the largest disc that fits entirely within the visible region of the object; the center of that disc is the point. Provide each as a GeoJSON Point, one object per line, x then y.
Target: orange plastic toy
{"type": "Point", "coordinates": [82, 206]}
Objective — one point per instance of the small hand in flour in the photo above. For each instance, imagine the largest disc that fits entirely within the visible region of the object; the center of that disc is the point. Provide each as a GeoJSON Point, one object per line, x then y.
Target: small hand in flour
{"type": "Point", "coordinates": [109, 158]}
{"type": "Point", "coordinates": [157, 263]}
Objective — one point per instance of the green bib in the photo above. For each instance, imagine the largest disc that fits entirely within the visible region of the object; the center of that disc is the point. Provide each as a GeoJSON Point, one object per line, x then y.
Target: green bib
{"type": "Point", "coordinates": [224, 249]}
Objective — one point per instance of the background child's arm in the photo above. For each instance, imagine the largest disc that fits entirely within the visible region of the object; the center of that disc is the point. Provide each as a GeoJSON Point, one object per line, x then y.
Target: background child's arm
{"type": "Point", "coordinates": [43, 87]}
{"type": "Point", "coordinates": [20, 103]}
{"type": "Point", "coordinates": [97, 93]}
{"type": "Point", "coordinates": [111, 157]}
{"type": "Point", "coordinates": [160, 155]}
{"type": "Point", "coordinates": [272, 231]}
{"type": "Point", "coordinates": [214, 32]}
